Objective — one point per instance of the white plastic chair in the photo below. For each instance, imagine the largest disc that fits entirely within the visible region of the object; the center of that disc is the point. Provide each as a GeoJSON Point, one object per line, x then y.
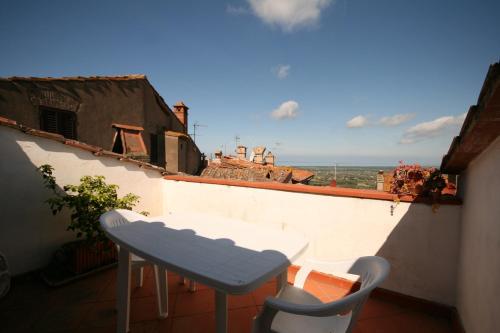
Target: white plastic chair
{"type": "Point", "coordinates": [296, 310]}
{"type": "Point", "coordinates": [118, 217]}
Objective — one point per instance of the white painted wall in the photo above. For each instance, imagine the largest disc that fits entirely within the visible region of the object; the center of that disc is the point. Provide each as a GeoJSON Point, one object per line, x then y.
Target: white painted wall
{"type": "Point", "coordinates": [421, 245]}
{"type": "Point", "coordinates": [479, 268]}
{"type": "Point", "coordinates": [29, 233]}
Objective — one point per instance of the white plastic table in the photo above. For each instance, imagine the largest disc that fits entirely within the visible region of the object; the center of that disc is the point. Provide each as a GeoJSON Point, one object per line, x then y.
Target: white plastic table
{"type": "Point", "coordinates": [230, 256]}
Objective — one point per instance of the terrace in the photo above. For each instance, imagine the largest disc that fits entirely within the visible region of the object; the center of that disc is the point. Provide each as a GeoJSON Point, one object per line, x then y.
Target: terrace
{"type": "Point", "coordinates": [89, 306]}
{"type": "Point", "coordinates": [443, 257]}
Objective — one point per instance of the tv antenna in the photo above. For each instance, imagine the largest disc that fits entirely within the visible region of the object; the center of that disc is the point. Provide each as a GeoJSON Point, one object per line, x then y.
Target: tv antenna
{"type": "Point", "coordinates": [195, 126]}
{"type": "Point", "coordinates": [236, 140]}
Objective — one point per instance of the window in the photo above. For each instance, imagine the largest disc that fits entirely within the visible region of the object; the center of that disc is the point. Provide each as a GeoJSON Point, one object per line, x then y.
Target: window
{"type": "Point", "coordinates": [128, 140]}
{"type": "Point", "coordinates": [58, 121]}
{"type": "Point", "coordinates": [153, 154]}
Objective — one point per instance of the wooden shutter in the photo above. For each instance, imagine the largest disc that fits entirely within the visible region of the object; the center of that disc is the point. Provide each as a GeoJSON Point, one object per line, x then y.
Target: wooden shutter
{"type": "Point", "coordinates": [58, 121]}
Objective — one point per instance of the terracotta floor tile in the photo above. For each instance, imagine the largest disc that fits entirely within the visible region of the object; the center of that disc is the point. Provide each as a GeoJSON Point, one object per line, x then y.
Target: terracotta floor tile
{"type": "Point", "coordinates": [377, 308]}
{"type": "Point", "coordinates": [109, 292]}
{"type": "Point", "coordinates": [26, 291]}
{"type": "Point", "coordinates": [88, 305]}
{"type": "Point", "coordinates": [153, 326]}
{"type": "Point", "coordinates": [87, 290]}
{"type": "Point", "coordinates": [436, 324]}
{"type": "Point", "coordinates": [240, 301]}
{"type": "Point", "coordinates": [408, 322]}
{"type": "Point", "coordinates": [148, 288]}
{"type": "Point", "coordinates": [101, 314]}
{"type": "Point", "coordinates": [259, 295]}
{"type": "Point", "coordinates": [201, 323]}
{"type": "Point", "coordinates": [62, 317]}
{"type": "Point", "coordinates": [18, 320]}
{"type": "Point", "coordinates": [194, 303]}
{"type": "Point", "coordinates": [146, 308]}
{"type": "Point", "coordinates": [240, 320]}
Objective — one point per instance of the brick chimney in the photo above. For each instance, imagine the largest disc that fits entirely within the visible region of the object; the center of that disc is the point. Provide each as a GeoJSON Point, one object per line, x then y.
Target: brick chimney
{"type": "Point", "coordinates": [242, 152]}
{"type": "Point", "coordinates": [259, 154]}
{"type": "Point", "coordinates": [269, 158]}
{"type": "Point", "coordinates": [181, 111]}
{"type": "Point", "coordinates": [218, 154]}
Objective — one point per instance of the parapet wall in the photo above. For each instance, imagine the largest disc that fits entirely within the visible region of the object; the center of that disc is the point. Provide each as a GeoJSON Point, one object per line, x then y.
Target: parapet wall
{"type": "Point", "coordinates": [421, 245]}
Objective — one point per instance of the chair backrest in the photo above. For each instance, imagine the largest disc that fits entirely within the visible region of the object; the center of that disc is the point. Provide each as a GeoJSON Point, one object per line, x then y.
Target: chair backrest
{"type": "Point", "coordinates": [372, 271]}
{"type": "Point", "coordinates": [117, 217]}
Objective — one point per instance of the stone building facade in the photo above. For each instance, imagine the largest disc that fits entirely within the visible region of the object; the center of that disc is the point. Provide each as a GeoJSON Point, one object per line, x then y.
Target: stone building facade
{"type": "Point", "coordinates": [124, 114]}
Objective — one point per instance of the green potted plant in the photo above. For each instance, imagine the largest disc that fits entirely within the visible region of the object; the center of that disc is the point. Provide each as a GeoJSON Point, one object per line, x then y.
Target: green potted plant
{"type": "Point", "coordinates": [86, 201]}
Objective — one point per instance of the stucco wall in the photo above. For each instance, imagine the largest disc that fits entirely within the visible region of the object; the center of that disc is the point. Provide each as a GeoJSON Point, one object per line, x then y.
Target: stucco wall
{"type": "Point", "coordinates": [479, 268]}
{"type": "Point", "coordinates": [29, 233]}
{"type": "Point", "coordinates": [100, 103]}
{"type": "Point", "coordinates": [421, 245]}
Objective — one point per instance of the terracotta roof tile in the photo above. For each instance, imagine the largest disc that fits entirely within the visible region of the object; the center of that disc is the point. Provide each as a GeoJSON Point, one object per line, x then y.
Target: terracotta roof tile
{"type": "Point", "coordinates": [177, 134]}
{"type": "Point", "coordinates": [480, 128]}
{"type": "Point", "coordinates": [79, 78]}
{"type": "Point", "coordinates": [97, 151]}
{"type": "Point", "coordinates": [234, 168]}
{"type": "Point", "coordinates": [300, 175]}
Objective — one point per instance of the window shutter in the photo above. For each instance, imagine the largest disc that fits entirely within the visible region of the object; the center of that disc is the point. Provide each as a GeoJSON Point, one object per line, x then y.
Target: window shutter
{"type": "Point", "coordinates": [49, 121]}
{"type": "Point", "coordinates": [58, 121]}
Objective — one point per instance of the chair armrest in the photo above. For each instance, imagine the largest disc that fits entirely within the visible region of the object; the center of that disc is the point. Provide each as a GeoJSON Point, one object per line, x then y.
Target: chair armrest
{"type": "Point", "coordinates": [309, 265]}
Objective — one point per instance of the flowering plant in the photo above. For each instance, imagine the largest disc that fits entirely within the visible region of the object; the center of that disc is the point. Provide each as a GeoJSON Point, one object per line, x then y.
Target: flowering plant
{"type": "Point", "coordinates": [413, 179]}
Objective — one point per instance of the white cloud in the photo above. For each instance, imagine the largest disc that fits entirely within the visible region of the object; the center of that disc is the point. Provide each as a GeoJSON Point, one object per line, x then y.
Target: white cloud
{"type": "Point", "coordinates": [432, 128]}
{"type": "Point", "coordinates": [286, 110]}
{"type": "Point", "coordinates": [289, 14]}
{"type": "Point", "coordinates": [396, 120]}
{"type": "Point", "coordinates": [357, 122]}
{"type": "Point", "coordinates": [282, 71]}
{"type": "Point", "coordinates": [236, 10]}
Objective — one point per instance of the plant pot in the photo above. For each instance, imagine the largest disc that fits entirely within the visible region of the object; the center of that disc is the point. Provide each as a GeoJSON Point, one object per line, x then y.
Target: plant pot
{"type": "Point", "coordinates": [80, 257]}
{"type": "Point", "coordinates": [436, 196]}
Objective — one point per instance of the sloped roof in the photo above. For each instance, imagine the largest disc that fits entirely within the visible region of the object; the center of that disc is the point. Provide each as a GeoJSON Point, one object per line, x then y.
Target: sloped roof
{"type": "Point", "coordinates": [480, 128]}
{"type": "Point", "coordinates": [234, 168]}
{"type": "Point", "coordinates": [115, 78]}
{"type": "Point", "coordinates": [97, 151]}
{"type": "Point", "coordinates": [300, 175]}
{"type": "Point", "coordinates": [78, 78]}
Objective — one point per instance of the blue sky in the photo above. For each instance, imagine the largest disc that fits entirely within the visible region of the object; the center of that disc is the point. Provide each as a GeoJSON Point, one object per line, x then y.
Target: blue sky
{"type": "Point", "coordinates": [316, 81]}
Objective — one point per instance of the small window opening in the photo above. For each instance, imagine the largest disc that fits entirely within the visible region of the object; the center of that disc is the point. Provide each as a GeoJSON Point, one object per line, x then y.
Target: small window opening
{"type": "Point", "coordinates": [153, 155]}
{"type": "Point", "coordinates": [58, 121]}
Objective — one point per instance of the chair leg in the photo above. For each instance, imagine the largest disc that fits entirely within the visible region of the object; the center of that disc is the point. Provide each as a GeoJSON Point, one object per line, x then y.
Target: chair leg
{"type": "Point", "coordinates": [161, 291]}
{"type": "Point", "coordinates": [139, 277]}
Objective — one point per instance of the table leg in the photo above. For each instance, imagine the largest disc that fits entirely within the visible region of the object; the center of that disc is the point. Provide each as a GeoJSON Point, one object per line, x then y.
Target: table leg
{"type": "Point", "coordinates": [282, 280]}
{"type": "Point", "coordinates": [161, 291]}
{"type": "Point", "coordinates": [123, 291]}
{"type": "Point", "coordinates": [220, 312]}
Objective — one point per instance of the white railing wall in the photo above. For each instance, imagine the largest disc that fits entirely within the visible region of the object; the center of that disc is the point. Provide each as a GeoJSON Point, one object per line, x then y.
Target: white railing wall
{"type": "Point", "coordinates": [421, 245]}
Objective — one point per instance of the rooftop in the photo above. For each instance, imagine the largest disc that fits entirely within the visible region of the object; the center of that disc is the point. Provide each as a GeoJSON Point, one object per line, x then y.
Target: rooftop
{"type": "Point", "coordinates": [88, 305]}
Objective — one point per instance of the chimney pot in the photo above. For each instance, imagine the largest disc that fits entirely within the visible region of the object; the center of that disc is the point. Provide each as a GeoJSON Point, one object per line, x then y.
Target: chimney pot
{"type": "Point", "coordinates": [181, 112]}
{"type": "Point", "coordinates": [241, 151]}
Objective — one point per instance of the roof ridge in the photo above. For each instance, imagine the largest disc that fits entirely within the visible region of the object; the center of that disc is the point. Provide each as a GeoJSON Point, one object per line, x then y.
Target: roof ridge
{"type": "Point", "coordinates": [78, 78]}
